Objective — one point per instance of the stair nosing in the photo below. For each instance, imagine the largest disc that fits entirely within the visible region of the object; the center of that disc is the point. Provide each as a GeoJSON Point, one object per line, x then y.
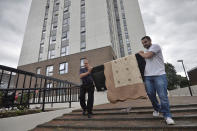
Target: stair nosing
{"type": "Point", "coordinates": [120, 127]}
{"type": "Point", "coordinates": [147, 107]}
{"type": "Point", "coordinates": [131, 112]}
{"type": "Point", "coordinates": [124, 119]}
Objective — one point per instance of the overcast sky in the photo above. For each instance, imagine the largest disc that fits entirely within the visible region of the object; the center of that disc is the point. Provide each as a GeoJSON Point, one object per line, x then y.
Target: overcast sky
{"type": "Point", "coordinates": [171, 24]}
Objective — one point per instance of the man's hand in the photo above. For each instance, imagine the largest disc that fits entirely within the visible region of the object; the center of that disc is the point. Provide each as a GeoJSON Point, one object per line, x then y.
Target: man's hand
{"type": "Point", "coordinates": [86, 73]}
{"type": "Point", "coordinates": [141, 52]}
{"type": "Point", "coordinates": [146, 55]}
{"type": "Point", "coordinates": [89, 69]}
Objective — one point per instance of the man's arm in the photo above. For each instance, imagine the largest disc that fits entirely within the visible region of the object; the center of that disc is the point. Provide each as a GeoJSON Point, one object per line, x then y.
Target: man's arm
{"type": "Point", "coordinates": [146, 55]}
{"type": "Point", "coordinates": [86, 73]}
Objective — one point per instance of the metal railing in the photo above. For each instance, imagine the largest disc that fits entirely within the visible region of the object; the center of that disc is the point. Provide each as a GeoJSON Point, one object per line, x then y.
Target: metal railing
{"type": "Point", "coordinates": [21, 88]}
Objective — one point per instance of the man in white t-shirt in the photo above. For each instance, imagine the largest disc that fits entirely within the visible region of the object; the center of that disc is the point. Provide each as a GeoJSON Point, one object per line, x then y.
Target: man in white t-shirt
{"type": "Point", "coordinates": [155, 79]}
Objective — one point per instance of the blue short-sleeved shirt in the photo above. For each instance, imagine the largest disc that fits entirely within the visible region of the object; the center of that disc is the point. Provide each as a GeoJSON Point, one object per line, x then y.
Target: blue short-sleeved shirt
{"type": "Point", "coordinates": [87, 79]}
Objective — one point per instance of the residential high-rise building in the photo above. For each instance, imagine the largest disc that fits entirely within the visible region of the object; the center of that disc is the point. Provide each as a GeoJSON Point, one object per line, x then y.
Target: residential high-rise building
{"type": "Point", "coordinates": [61, 33]}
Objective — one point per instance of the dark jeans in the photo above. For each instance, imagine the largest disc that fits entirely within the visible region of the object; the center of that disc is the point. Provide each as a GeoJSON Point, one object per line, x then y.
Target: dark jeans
{"type": "Point", "coordinates": [90, 90]}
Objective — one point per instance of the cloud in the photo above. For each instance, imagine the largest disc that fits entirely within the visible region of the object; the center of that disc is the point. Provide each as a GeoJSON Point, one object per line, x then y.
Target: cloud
{"type": "Point", "coordinates": [13, 18]}
{"type": "Point", "coordinates": [172, 25]}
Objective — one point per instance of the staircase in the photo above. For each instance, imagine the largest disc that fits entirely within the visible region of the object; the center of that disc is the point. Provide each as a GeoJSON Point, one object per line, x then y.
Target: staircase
{"type": "Point", "coordinates": [114, 118]}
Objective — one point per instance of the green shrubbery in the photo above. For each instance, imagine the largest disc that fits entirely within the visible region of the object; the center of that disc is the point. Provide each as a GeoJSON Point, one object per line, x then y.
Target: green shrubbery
{"type": "Point", "coordinates": [24, 101]}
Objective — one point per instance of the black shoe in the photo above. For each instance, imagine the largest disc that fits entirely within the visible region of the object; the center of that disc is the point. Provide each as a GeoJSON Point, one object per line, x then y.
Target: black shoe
{"type": "Point", "coordinates": [91, 113]}
{"type": "Point", "coordinates": [84, 113]}
{"type": "Point", "coordinates": [89, 116]}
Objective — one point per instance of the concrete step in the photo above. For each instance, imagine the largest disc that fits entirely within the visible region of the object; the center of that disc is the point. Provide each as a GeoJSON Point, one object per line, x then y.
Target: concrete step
{"type": "Point", "coordinates": [138, 118]}
{"type": "Point", "coordinates": [142, 108]}
{"type": "Point", "coordinates": [120, 118]}
{"type": "Point", "coordinates": [189, 124]}
{"type": "Point", "coordinates": [175, 114]}
{"type": "Point", "coordinates": [145, 111]}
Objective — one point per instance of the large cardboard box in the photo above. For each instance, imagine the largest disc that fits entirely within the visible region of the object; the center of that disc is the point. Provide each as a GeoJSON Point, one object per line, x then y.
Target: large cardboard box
{"type": "Point", "coordinates": [123, 79]}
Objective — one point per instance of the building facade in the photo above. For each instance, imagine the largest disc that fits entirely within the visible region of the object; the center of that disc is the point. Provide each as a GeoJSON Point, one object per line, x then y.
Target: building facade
{"type": "Point", "coordinates": [192, 73]}
{"type": "Point", "coordinates": [61, 33]}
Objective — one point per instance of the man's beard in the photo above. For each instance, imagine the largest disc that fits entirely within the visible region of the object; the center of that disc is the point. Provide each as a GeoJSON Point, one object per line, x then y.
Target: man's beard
{"type": "Point", "coordinates": [147, 47]}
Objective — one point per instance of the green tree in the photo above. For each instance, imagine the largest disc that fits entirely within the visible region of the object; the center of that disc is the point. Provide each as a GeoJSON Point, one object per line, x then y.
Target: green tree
{"type": "Point", "coordinates": [183, 82]}
{"type": "Point", "coordinates": [172, 78]}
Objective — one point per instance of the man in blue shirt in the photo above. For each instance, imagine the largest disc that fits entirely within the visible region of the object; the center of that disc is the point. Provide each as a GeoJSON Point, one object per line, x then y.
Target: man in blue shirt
{"type": "Point", "coordinates": [155, 79]}
{"type": "Point", "coordinates": [87, 86]}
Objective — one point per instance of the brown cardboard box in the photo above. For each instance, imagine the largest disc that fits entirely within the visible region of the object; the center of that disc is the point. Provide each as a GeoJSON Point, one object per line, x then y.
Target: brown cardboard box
{"type": "Point", "coordinates": [123, 80]}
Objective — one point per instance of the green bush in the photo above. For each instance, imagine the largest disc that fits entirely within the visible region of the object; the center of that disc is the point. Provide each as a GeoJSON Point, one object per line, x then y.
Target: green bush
{"type": "Point", "coordinates": [24, 103]}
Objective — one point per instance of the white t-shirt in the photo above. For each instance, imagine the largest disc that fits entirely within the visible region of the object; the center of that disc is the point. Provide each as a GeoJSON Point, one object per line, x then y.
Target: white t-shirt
{"type": "Point", "coordinates": [155, 65]}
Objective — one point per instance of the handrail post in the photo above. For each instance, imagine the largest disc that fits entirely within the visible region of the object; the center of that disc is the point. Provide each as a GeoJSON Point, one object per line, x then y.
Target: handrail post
{"type": "Point", "coordinates": [70, 97]}
{"type": "Point", "coordinates": [43, 104]}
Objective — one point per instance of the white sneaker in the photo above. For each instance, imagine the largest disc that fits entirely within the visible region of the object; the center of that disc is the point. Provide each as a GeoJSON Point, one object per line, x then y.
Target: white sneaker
{"type": "Point", "coordinates": [170, 121]}
{"type": "Point", "coordinates": [155, 113]}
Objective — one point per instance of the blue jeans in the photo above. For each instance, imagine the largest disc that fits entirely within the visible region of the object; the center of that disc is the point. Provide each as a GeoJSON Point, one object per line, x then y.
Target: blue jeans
{"type": "Point", "coordinates": [158, 84]}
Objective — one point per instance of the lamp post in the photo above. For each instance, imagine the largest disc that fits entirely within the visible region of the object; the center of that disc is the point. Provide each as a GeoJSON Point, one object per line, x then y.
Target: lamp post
{"type": "Point", "coordinates": [186, 76]}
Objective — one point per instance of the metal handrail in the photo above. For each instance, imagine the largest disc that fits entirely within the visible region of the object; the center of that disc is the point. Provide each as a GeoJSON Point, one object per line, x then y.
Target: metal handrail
{"type": "Point", "coordinates": [35, 89]}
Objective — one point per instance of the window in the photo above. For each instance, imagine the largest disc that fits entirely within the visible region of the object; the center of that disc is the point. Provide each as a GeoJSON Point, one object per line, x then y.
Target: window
{"type": "Point", "coordinates": [125, 23]}
{"type": "Point", "coordinates": [41, 51]}
{"type": "Point", "coordinates": [122, 52]}
{"type": "Point", "coordinates": [42, 41]}
{"type": "Point", "coordinates": [46, 13]}
{"type": "Point", "coordinates": [43, 34]}
{"type": "Point", "coordinates": [54, 26]}
{"type": "Point", "coordinates": [82, 62]}
{"type": "Point", "coordinates": [51, 54]}
{"type": "Point", "coordinates": [53, 32]}
{"type": "Point", "coordinates": [45, 22]}
{"type": "Point", "coordinates": [56, 7]}
{"type": "Point", "coordinates": [83, 33]}
{"type": "Point", "coordinates": [126, 36]}
{"type": "Point", "coordinates": [52, 39]}
{"type": "Point", "coordinates": [66, 21]}
{"type": "Point", "coordinates": [83, 29]}
{"type": "Point", "coordinates": [49, 85]}
{"type": "Point", "coordinates": [82, 15]}
{"type": "Point", "coordinates": [129, 50]}
{"type": "Point", "coordinates": [82, 3]}
{"type": "Point", "coordinates": [66, 3]}
{"type": "Point", "coordinates": [41, 47]}
{"type": "Point", "coordinates": [66, 9]}
{"type": "Point", "coordinates": [83, 49]}
{"type": "Point", "coordinates": [82, 9]}
{"type": "Point", "coordinates": [64, 51]}
{"type": "Point", "coordinates": [66, 15]}
{"type": "Point", "coordinates": [63, 69]}
{"type": "Point", "coordinates": [83, 44]}
{"type": "Point", "coordinates": [49, 71]}
{"type": "Point", "coordinates": [127, 40]}
{"type": "Point", "coordinates": [55, 19]}
{"type": "Point", "coordinates": [40, 57]}
{"type": "Point", "coordinates": [65, 35]}
{"type": "Point", "coordinates": [38, 70]}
